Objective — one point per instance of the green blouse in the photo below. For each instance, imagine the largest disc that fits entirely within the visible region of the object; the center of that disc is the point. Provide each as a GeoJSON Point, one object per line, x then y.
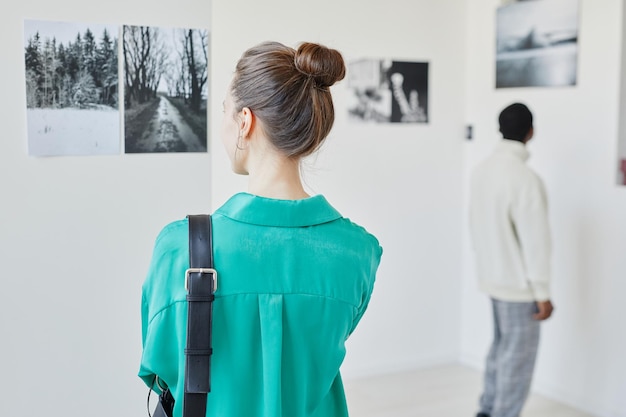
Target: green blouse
{"type": "Point", "coordinates": [294, 279]}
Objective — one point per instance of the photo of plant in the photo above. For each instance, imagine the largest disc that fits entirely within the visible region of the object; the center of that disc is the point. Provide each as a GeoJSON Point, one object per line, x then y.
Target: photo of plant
{"type": "Point", "coordinates": [71, 75]}
{"type": "Point", "coordinates": [165, 74]}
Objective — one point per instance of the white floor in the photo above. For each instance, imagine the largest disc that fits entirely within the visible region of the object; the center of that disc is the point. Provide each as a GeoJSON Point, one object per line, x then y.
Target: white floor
{"type": "Point", "coordinates": [446, 391]}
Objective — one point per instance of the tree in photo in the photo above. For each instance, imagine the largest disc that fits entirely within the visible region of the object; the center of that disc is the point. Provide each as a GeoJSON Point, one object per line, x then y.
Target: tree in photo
{"type": "Point", "coordinates": [145, 57]}
{"type": "Point", "coordinates": [196, 56]}
{"type": "Point", "coordinates": [82, 73]}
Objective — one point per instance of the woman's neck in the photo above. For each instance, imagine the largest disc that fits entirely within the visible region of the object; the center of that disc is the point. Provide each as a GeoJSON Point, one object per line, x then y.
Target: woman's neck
{"type": "Point", "coordinates": [274, 176]}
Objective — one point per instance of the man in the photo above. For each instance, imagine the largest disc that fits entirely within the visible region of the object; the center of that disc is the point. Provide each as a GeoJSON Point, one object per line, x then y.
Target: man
{"type": "Point", "coordinates": [511, 239]}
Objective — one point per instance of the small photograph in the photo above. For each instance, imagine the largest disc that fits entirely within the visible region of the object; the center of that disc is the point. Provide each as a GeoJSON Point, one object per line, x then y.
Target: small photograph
{"type": "Point", "coordinates": [71, 74]}
{"type": "Point", "coordinates": [537, 43]}
{"type": "Point", "coordinates": [386, 91]}
{"type": "Point", "coordinates": [621, 154]}
{"type": "Point", "coordinates": [165, 74]}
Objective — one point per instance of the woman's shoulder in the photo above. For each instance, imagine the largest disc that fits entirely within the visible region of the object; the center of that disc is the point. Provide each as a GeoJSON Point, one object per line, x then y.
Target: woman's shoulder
{"type": "Point", "coordinates": [357, 235]}
{"type": "Point", "coordinates": [356, 229]}
{"type": "Point", "coordinates": [172, 234]}
{"type": "Point", "coordinates": [170, 258]}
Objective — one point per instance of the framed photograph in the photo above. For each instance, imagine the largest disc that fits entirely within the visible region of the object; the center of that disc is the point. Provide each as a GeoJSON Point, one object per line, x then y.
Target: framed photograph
{"type": "Point", "coordinates": [71, 74]}
{"type": "Point", "coordinates": [387, 91]}
{"type": "Point", "coordinates": [537, 43]}
{"type": "Point", "coordinates": [165, 72]}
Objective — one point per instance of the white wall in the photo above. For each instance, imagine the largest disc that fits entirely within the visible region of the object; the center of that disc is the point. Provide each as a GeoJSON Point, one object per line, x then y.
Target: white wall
{"type": "Point", "coordinates": [76, 237]}
{"type": "Point", "coordinates": [581, 358]}
{"type": "Point", "coordinates": [77, 232]}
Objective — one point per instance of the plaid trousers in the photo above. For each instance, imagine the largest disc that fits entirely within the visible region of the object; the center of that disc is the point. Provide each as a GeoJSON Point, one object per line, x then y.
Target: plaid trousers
{"type": "Point", "coordinates": [511, 358]}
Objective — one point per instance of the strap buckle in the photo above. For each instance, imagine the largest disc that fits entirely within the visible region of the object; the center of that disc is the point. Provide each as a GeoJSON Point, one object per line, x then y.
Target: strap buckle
{"type": "Point", "coordinates": [211, 271]}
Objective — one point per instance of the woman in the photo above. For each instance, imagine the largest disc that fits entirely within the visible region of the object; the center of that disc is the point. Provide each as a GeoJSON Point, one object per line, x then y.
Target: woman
{"type": "Point", "coordinates": [295, 277]}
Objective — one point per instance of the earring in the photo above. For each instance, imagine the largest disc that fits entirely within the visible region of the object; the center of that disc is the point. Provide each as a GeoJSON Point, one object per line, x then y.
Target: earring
{"type": "Point", "coordinates": [239, 139]}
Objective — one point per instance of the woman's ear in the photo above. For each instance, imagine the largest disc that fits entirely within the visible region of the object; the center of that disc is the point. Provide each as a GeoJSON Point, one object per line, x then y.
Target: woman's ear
{"type": "Point", "coordinates": [246, 122]}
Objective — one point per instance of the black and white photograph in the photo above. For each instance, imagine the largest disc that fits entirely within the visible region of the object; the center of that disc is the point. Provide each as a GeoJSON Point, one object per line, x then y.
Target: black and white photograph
{"type": "Point", "coordinates": [71, 74]}
{"type": "Point", "coordinates": [537, 43]}
{"type": "Point", "coordinates": [387, 91]}
{"type": "Point", "coordinates": [165, 74]}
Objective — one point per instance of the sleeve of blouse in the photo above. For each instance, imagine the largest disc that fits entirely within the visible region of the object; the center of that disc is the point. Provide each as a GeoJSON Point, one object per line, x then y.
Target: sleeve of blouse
{"type": "Point", "coordinates": [162, 326]}
{"type": "Point", "coordinates": [146, 368]}
{"type": "Point", "coordinates": [368, 288]}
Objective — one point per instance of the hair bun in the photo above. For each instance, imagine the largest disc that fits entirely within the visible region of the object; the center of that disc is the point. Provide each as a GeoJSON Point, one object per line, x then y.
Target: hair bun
{"type": "Point", "coordinates": [324, 65]}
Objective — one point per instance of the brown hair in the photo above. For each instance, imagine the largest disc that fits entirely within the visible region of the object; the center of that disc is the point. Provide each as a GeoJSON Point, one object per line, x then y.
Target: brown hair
{"type": "Point", "coordinates": [288, 90]}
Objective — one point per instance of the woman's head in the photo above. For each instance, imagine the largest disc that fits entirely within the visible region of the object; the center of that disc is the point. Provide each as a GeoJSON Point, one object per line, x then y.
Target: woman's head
{"type": "Point", "coordinates": [287, 90]}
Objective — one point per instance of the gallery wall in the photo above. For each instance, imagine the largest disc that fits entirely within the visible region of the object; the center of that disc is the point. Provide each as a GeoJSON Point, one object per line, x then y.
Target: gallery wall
{"type": "Point", "coordinates": [581, 360]}
{"type": "Point", "coordinates": [76, 238]}
{"type": "Point", "coordinates": [77, 232]}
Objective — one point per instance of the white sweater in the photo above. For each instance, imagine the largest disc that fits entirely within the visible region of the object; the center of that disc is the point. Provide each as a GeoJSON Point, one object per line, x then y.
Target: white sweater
{"type": "Point", "coordinates": [509, 226]}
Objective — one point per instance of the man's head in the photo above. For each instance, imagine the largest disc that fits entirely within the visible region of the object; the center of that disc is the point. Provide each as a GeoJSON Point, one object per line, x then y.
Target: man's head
{"type": "Point", "coordinates": [516, 123]}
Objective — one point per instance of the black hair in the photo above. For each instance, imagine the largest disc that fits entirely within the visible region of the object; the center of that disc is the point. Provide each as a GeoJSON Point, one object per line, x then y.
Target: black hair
{"type": "Point", "coordinates": [515, 122]}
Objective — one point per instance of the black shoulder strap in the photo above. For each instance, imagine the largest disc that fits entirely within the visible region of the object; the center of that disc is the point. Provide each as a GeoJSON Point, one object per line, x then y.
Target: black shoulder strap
{"type": "Point", "coordinates": [201, 282]}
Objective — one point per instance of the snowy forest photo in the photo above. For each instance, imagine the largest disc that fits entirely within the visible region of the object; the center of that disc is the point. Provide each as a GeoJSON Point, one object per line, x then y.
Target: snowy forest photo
{"type": "Point", "coordinates": [165, 75]}
{"type": "Point", "coordinates": [71, 74]}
